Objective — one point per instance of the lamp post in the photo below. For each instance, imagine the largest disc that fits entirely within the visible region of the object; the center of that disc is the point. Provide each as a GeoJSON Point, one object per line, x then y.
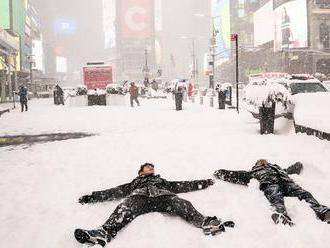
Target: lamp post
{"type": "Point", "coordinates": [31, 61]}
{"type": "Point", "coordinates": [146, 69]}
{"type": "Point", "coordinates": [212, 47]}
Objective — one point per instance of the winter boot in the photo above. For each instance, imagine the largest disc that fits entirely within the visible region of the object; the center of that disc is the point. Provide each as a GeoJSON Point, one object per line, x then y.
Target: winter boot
{"type": "Point", "coordinates": [92, 237]}
{"type": "Point", "coordinates": [213, 226]}
{"type": "Point", "coordinates": [326, 217]}
{"type": "Point", "coordinates": [282, 218]}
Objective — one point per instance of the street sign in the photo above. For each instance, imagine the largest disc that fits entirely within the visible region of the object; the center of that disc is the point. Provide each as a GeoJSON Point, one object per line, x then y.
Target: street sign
{"type": "Point", "coordinates": [233, 37]}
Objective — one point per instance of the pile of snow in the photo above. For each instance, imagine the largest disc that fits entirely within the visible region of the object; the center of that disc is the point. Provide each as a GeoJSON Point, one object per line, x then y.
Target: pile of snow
{"type": "Point", "coordinates": [312, 110]}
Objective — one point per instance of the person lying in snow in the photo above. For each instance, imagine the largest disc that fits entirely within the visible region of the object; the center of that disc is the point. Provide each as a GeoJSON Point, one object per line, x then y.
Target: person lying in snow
{"type": "Point", "coordinates": [148, 193]}
{"type": "Point", "coordinates": [276, 184]}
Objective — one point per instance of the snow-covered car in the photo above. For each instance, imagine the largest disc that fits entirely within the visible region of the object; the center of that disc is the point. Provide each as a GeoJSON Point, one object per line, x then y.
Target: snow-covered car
{"type": "Point", "coordinates": [326, 84]}
{"type": "Point", "coordinates": [297, 84]}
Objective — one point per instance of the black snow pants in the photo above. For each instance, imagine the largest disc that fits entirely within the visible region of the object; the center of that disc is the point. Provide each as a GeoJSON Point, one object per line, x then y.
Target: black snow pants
{"type": "Point", "coordinates": [275, 194]}
{"type": "Point", "coordinates": [23, 101]}
{"type": "Point", "coordinates": [134, 98]}
{"type": "Point", "coordinates": [137, 205]}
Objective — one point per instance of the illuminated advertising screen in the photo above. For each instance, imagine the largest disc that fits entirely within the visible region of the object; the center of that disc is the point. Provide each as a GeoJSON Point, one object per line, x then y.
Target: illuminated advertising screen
{"type": "Point", "coordinates": [137, 19]}
{"type": "Point", "coordinates": [63, 26]}
{"type": "Point", "coordinates": [97, 77]}
{"type": "Point", "coordinates": [221, 18]}
{"type": "Point", "coordinates": [61, 64]}
{"type": "Point", "coordinates": [109, 28]}
{"type": "Point", "coordinates": [263, 20]}
{"type": "Point", "coordinates": [291, 25]}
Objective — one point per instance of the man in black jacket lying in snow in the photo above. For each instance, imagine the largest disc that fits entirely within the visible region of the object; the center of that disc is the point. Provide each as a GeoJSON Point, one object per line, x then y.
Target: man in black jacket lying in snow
{"type": "Point", "coordinates": [145, 194]}
{"type": "Point", "coordinates": [276, 184]}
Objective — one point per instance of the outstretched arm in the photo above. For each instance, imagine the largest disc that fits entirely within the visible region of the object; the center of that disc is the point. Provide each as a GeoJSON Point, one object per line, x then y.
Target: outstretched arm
{"type": "Point", "coordinates": [237, 177]}
{"type": "Point", "coordinates": [296, 168]}
{"type": "Point", "coordinates": [107, 195]}
{"type": "Point", "coordinates": [188, 186]}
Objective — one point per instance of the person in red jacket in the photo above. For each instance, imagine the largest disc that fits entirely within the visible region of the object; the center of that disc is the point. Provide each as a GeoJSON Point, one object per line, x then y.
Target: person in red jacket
{"type": "Point", "coordinates": [134, 93]}
{"type": "Point", "coordinates": [190, 90]}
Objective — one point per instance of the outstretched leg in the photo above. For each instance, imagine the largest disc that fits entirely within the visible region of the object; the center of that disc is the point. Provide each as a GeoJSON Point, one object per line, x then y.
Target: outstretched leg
{"type": "Point", "coordinates": [274, 194]}
{"type": "Point", "coordinates": [294, 190]}
{"type": "Point", "coordinates": [127, 211]}
{"type": "Point", "coordinates": [123, 214]}
{"type": "Point", "coordinates": [184, 209]}
{"type": "Point", "coordinates": [180, 207]}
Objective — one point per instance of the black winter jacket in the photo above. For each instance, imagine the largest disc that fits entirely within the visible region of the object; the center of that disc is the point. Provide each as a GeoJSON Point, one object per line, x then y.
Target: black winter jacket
{"type": "Point", "coordinates": [151, 186]}
{"type": "Point", "coordinates": [265, 174]}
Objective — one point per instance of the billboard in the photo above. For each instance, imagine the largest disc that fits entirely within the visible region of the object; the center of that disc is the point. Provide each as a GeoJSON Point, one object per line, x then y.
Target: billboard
{"type": "Point", "coordinates": [137, 19]}
{"type": "Point", "coordinates": [4, 14]}
{"type": "Point", "coordinates": [61, 64]}
{"type": "Point", "coordinates": [97, 77]}
{"type": "Point", "coordinates": [291, 25]}
{"type": "Point", "coordinates": [221, 14]}
{"type": "Point", "coordinates": [263, 20]}
{"type": "Point", "coordinates": [109, 19]}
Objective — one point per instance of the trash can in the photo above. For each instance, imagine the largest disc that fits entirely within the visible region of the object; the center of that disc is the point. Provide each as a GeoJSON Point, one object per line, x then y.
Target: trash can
{"type": "Point", "coordinates": [178, 100]}
{"type": "Point", "coordinates": [267, 118]}
{"type": "Point", "coordinates": [222, 99]}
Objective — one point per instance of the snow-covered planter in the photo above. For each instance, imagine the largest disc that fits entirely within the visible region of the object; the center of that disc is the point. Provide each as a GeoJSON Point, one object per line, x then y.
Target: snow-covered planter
{"type": "Point", "coordinates": [79, 99]}
{"type": "Point", "coordinates": [264, 94]}
{"type": "Point", "coordinates": [81, 90]}
{"type": "Point", "coordinates": [266, 101]}
{"type": "Point", "coordinates": [115, 95]}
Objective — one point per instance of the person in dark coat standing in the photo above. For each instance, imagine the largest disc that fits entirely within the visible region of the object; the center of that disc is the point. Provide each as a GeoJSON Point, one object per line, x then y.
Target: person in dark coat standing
{"type": "Point", "coordinates": [276, 184]}
{"type": "Point", "coordinates": [134, 93]}
{"type": "Point", "coordinates": [23, 95]}
{"type": "Point", "coordinates": [58, 95]}
{"type": "Point", "coordinates": [145, 194]}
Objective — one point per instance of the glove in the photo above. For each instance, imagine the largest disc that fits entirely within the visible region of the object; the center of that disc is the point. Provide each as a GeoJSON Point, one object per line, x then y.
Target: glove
{"type": "Point", "coordinates": [85, 199]}
{"type": "Point", "coordinates": [220, 174]}
{"type": "Point", "coordinates": [209, 182]}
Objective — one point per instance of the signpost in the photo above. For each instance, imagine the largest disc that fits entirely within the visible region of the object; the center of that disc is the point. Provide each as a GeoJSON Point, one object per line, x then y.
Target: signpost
{"type": "Point", "coordinates": [234, 37]}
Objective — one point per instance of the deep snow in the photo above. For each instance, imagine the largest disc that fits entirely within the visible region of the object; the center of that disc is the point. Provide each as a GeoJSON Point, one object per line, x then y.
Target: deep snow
{"type": "Point", "coordinates": [40, 184]}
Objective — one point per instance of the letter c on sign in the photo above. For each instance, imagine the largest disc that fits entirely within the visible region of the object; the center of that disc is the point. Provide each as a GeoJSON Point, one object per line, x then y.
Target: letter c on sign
{"type": "Point", "coordinates": [130, 21]}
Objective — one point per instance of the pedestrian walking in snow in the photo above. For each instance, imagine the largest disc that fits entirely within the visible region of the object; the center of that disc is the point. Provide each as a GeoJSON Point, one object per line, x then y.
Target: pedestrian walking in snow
{"type": "Point", "coordinates": [276, 184]}
{"type": "Point", "coordinates": [134, 93]}
{"type": "Point", "coordinates": [23, 94]}
{"type": "Point", "coordinates": [145, 194]}
{"type": "Point", "coordinates": [58, 95]}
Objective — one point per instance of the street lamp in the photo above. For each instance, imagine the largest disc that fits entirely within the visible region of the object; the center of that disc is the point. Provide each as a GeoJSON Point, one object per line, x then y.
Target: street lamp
{"type": "Point", "coordinates": [213, 45]}
{"type": "Point", "coordinates": [31, 61]}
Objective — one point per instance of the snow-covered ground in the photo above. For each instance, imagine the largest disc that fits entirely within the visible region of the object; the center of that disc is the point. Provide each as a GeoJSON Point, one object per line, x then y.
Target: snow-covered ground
{"type": "Point", "coordinates": [40, 184]}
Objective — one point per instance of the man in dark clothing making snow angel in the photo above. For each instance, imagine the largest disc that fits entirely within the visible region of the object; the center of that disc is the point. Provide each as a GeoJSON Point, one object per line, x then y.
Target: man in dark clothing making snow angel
{"type": "Point", "coordinates": [276, 184]}
{"type": "Point", "coordinates": [145, 194]}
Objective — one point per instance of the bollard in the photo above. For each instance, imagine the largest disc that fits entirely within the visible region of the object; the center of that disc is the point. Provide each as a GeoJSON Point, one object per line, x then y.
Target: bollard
{"type": "Point", "coordinates": [267, 118]}
{"type": "Point", "coordinates": [222, 99]}
{"type": "Point", "coordinates": [201, 100]}
{"type": "Point", "coordinates": [178, 101]}
{"type": "Point", "coordinates": [211, 102]}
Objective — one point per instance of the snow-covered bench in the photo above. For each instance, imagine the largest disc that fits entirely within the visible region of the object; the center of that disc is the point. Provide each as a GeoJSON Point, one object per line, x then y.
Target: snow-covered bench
{"type": "Point", "coordinates": [2, 111]}
{"type": "Point", "coordinates": [312, 114]}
